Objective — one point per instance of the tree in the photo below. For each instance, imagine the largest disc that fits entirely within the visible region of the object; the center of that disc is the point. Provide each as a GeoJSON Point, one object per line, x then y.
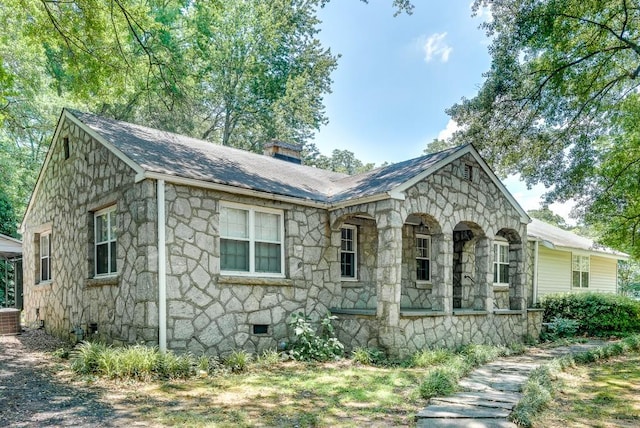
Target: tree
{"type": "Point", "coordinates": [8, 219]}
{"type": "Point", "coordinates": [563, 78]}
{"type": "Point", "coordinates": [545, 214]}
{"type": "Point", "coordinates": [343, 161]}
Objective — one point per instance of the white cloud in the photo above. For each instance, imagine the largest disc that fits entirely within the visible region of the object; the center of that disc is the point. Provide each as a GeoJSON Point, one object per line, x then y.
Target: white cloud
{"type": "Point", "coordinates": [435, 47]}
{"type": "Point", "coordinates": [447, 132]}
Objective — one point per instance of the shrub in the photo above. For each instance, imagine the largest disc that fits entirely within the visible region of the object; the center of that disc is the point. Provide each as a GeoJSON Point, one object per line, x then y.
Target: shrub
{"type": "Point", "coordinates": [598, 314]}
{"type": "Point", "coordinates": [238, 360]}
{"type": "Point", "coordinates": [269, 357]}
{"type": "Point", "coordinates": [310, 346]}
{"type": "Point", "coordinates": [438, 382]}
{"type": "Point", "coordinates": [428, 357]}
{"type": "Point", "coordinates": [367, 356]}
{"type": "Point", "coordinates": [560, 328]}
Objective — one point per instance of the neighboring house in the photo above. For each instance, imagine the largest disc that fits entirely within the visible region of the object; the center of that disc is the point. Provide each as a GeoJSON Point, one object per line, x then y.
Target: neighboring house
{"type": "Point", "coordinates": [10, 252]}
{"type": "Point", "coordinates": [563, 261]}
{"type": "Point", "coordinates": [139, 235]}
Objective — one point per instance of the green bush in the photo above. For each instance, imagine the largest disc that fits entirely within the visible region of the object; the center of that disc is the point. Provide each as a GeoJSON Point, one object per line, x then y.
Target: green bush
{"type": "Point", "coordinates": [238, 360]}
{"type": "Point", "coordinates": [598, 314]}
{"type": "Point", "coordinates": [367, 356]}
{"type": "Point", "coordinates": [431, 357]}
{"type": "Point", "coordinates": [311, 346]}
{"type": "Point", "coordinates": [439, 382]}
{"type": "Point", "coordinates": [130, 362]}
{"type": "Point", "coordinates": [560, 328]}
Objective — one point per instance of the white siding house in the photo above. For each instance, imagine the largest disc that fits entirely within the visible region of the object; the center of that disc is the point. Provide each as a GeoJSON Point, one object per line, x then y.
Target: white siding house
{"type": "Point", "coordinates": [563, 261]}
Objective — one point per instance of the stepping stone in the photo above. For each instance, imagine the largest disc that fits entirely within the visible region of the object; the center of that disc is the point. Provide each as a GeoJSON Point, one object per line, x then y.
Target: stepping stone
{"type": "Point", "coordinates": [461, 411]}
{"type": "Point", "coordinates": [472, 401]}
{"type": "Point", "coordinates": [500, 396]}
{"type": "Point", "coordinates": [464, 423]}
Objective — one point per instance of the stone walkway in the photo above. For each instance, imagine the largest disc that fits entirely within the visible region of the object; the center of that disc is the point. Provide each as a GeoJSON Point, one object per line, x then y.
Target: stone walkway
{"type": "Point", "coordinates": [490, 392]}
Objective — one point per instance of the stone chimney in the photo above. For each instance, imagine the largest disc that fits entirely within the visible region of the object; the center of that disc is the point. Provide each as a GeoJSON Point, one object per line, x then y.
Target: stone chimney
{"type": "Point", "coordinates": [285, 151]}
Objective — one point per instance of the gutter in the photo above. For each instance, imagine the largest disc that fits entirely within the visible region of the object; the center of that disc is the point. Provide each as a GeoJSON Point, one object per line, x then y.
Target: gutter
{"type": "Point", "coordinates": [162, 270]}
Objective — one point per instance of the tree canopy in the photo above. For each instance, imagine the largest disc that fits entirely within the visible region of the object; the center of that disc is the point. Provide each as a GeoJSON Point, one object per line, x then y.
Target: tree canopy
{"type": "Point", "coordinates": [559, 102]}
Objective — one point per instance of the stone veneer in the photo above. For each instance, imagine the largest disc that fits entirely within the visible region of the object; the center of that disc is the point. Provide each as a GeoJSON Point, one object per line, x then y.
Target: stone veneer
{"type": "Point", "coordinates": [213, 313]}
{"type": "Point", "coordinates": [71, 190]}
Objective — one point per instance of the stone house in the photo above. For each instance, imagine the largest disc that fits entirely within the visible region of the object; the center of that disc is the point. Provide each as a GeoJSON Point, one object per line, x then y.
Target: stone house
{"type": "Point", "coordinates": [140, 235]}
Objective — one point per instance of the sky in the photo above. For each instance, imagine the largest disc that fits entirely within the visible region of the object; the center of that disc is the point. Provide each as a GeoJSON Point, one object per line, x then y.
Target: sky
{"type": "Point", "coordinates": [396, 76]}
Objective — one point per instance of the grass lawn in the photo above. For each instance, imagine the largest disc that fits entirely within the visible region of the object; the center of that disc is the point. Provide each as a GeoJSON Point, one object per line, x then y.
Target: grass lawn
{"type": "Point", "coordinates": [603, 394]}
{"type": "Point", "coordinates": [288, 394]}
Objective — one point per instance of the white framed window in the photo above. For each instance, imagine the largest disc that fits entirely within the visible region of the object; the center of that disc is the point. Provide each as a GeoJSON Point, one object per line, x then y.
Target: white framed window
{"type": "Point", "coordinates": [105, 238]}
{"type": "Point", "coordinates": [580, 271]}
{"type": "Point", "coordinates": [423, 258]}
{"type": "Point", "coordinates": [45, 257]}
{"type": "Point", "coordinates": [467, 173]}
{"type": "Point", "coordinates": [349, 252]}
{"type": "Point", "coordinates": [251, 240]}
{"type": "Point", "coordinates": [501, 263]}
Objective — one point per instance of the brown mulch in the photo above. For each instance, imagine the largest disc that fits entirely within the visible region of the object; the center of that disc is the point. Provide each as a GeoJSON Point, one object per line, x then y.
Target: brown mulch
{"type": "Point", "coordinates": [32, 394]}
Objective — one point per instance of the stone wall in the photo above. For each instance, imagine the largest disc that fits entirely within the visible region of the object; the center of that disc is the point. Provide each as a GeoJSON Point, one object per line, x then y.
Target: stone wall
{"type": "Point", "coordinates": [70, 191]}
{"type": "Point", "coordinates": [213, 313]}
{"type": "Point", "coordinates": [441, 331]}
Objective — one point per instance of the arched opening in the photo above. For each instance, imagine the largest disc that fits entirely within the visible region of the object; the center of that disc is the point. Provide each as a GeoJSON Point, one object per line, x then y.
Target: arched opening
{"type": "Point", "coordinates": [470, 265]}
{"type": "Point", "coordinates": [421, 273]}
{"type": "Point", "coordinates": [356, 238]}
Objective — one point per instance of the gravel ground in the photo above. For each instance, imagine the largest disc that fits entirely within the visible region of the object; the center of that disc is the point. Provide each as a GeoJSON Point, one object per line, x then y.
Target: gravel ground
{"type": "Point", "coordinates": [32, 395]}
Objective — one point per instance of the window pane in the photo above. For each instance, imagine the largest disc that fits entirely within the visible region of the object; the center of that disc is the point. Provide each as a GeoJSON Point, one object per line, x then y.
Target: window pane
{"type": "Point", "coordinates": [423, 271]}
{"type": "Point", "coordinates": [102, 259]}
{"type": "Point", "coordinates": [504, 274]}
{"type": "Point", "coordinates": [576, 263]}
{"type": "Point", "coordinates": [422, 247]}
{"type": "Point", "coordinates": [112, 223]}
{"type": "Point", "coordinates": [347, 265]}
{"type": "Point", "coordinates": [267, 226]}
{"type": "Point", "coordinates": [584, 264]}
{"type": "Point", "coordinates": [585, 279]}
{"type": "Point", "coordinates": [44, 246]}
{"type": "Point", "coordinates": [267, 257]}
{"type": "Point", "coordinates": [234, 223]}
{"type": "Point", "coordinates": [504, 254]}
{"type": "Point", "coordinates": [495, 272]}
{"type": "Point", "coordinates": [347, 239]}
{"type": "Point", "coordinates": [102, 228]}
{"type": "Point", "coordinates": [576, 279]}
{"type": "Point", "coordinates": [113, 257]}
{"type": "Point", "coordinates": [234, 255]}
{"type": "Point", "coordinates": [44, 270]}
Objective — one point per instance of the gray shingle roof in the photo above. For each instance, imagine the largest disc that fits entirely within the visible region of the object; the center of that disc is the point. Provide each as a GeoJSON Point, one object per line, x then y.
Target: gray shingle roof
{"type": "Point", "coordinates": [180, 156]}
{"type": "Point", "coordinates": [562, 238]}
{"type": "Point", "coordinates": [9, 247]}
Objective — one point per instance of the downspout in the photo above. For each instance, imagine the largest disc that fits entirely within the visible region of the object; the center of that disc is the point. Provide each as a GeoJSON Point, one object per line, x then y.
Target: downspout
{"type": "Point", "coordinates": [162, 271]}
{"type": "Point", "coordinates": [535, 272]}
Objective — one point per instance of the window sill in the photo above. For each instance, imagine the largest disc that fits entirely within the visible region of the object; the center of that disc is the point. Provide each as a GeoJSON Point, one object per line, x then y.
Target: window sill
{"type": "Point", "coordinates": [43, 284]}
{"type": "Point", "coordinates": [500, 287]}
{"type": "Point", "coordinates": [424, 285]}
{"type": "Point", "coordinates": [252, 281]}
{"type": "Point", "coordinates": [103, 281]}
{"type": "Point", "coordinates": [351, 283]}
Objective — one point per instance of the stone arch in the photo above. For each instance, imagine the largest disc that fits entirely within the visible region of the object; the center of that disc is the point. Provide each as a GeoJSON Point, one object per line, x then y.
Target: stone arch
{"type": "Point", "coordinates": [514, 299]}
{"type": "Point", "coordinates": [358, 292]}
{"type": "Point", "coordinates": [470, 266]}
{"type": "Point", "coordinates": [421, 270]}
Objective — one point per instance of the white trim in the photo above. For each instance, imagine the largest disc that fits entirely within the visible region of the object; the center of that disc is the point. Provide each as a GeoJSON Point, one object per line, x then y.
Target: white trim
{"type": "Point", "coordinates": [428, 238]}
{"type": "Point", "coordinates": [47, 235]}
{"type": "Point", "coordinates": [578, 250]}
{"type": "Point", "coordinates": [581, 287]}
{"type": "Point", "coordinates": [536, 254]}
{"type": "Point", "coordinates": [354, 251]}
{"type": "Point", "coordinates": [252, 209]}
{"type": "Point", "coordinates": [111, 210]}
{"type": "Point", "coordinates": [496, 260]}
{"type": "Point", "coordinates": [162, 269]}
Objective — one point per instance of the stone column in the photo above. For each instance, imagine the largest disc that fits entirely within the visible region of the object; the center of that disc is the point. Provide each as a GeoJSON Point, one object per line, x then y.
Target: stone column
{"type": "Point", "coordinates": [483, 287]}
{"type": "Point", "coordinates": [389, 276]}
{"type": "Point", "coordinates": [443, 280]}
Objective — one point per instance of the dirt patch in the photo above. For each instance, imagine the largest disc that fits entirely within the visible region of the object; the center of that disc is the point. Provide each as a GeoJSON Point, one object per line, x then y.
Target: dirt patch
{"type": "Point", "coordinates": [33, 393]}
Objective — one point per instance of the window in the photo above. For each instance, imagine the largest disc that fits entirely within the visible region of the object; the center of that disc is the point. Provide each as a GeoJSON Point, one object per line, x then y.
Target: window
{"type": "Point", "coordinates": [105, 241]}
{"type": "Point", "coordinates": [468, 172]}
{"type": "Point", "coordinates": [501, 263]}
{"type": "Point", "coordinates": [65, 146]}
{"type": "Point", "coordinates": [45, 257]}
{"type": "Point", "coordinates": [251, 240]}
{"type": "Point", "coordinates": [580, 271]}
{"type": "Point", "coordinates": [423, 258]}
{"type": "Point", "coordinates": [348, 251]}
